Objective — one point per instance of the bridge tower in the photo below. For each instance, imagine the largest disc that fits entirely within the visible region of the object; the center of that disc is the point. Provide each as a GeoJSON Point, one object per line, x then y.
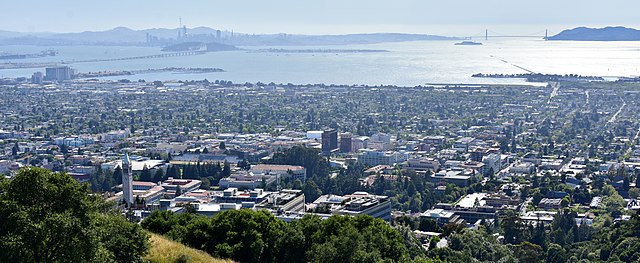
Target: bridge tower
{"type": "Point", "coordinates": [546, 34]}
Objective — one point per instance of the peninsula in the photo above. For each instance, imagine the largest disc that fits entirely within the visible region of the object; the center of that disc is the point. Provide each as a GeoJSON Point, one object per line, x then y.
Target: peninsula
{"type": "Point", "coordinates": [598, 34]}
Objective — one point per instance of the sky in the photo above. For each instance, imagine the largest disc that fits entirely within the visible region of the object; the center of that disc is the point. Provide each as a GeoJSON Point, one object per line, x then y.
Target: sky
{"type": "Point", "coordinates": [444, 17]}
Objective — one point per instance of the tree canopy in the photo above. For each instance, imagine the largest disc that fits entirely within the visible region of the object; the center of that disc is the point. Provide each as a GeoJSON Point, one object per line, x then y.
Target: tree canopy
{"type": "Point", "coordinates": [49, 217]}
{"type": "Point", "coordinates": [257, 236]}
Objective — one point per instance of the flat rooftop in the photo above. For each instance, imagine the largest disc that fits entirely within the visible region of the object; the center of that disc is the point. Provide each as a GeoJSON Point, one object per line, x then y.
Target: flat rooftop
{"type": "Point", "coordinates": [469, 200]}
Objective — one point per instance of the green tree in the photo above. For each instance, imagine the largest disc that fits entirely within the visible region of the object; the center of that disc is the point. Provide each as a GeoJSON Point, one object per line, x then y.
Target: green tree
{"type": "Point", "coordinates": [479, 245]}
{"type": "Point", "coordinates": [311, 191]}
{"type": "Point", "coordinates": [527, 252]}
{"type": "Point", "coordinates": [226, 171]}
{"type": "Point", "coordinates": [159, 175]}
{"type": "Point", "coordinates": [117, 175]}
{"type": "Point", "coordinates": [14, 149]}
{"type": "Point", "coordinates": [515, 231]}
{"type": "Point", "coordinates": [206, 183]}
{"type": "Point", "coordinates": [556, 254]}
{"type": "Point", "coordinates": [257, 236]}
{"type": "Point", "coordinates": [49, 217]}
{"type": "Point", "coordinates": [145, 175]}
{"type": "Point", "coordinates": [539, 236]}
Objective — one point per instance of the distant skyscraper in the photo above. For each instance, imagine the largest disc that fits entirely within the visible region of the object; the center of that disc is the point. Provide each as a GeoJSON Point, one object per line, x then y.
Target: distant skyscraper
{"type": "Point", "coordinates": [218, 34]}
{"type": "Point", "coordinates": [127, 180]}
{"type": "Point", "coordinates": [329, 141]}
{"type": "Point", "coordinates": [345, 142]}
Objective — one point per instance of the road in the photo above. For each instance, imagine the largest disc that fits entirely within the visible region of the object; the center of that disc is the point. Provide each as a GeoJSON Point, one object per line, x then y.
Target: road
{"type": "Point", "coordinates": [615, 116]}
{"type": "Point", "coordinates": [634, 142]}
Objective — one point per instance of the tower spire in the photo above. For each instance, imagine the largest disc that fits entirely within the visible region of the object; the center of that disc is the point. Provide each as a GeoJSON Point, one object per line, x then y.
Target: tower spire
{"type": "Point", "coordinates": [127, 180]}
{"type": "Point", "coordinates": [546, 34]}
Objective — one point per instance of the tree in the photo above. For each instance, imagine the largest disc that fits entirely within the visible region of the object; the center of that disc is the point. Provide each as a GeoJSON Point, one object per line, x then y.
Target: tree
{"type": "Point", "coordinates": [206, 183]}
{"type": "Point", "coordinates": [429, 225]}
{"type": "Point", "coordinates": [479, 245]}
{"type": "Point", "coordinates": [625, 183]}
{"type": "Point", "coordinates": [172, 172]}
{"type": "Point", "coordinates": [15, 149]}
{"type": "Point", "coordinates": [539, 236]}
{"type": "Point", "coordinates": [311, 191]}
{"type": "Point", "coordinates": [222, 146]}
{"type": "Point", "coordinates": [159, 175]}
{"type": "Point", "coordinates": [612, 201]}
{"type": "Point", "coordinates": [145, 175]}
{"type": "Point", "coordinates": [244, 164]}
{"type": "Point", "coordinates": [226, 171]}
{"type": "Point", "coordinates": [556, 254]}
{"type": "Point", "coordinates": [297, 184]}
{"type": "Point", "coordinates": [515, 231]}
{"type": "Point", "coordinates": [49, 217]}
{"type": "Point", "coordinates": [310, 159]}
{"type": "Point", "coordinates": [257, 236]}
{"type": "Point", "coordinates": [527, 252]}
{"type": "Point", "coordinates": [124, 239]}
{"type": "Point", "coordinates": [564, 228]}
{"type": "Point", "coordinates": [117, 175]}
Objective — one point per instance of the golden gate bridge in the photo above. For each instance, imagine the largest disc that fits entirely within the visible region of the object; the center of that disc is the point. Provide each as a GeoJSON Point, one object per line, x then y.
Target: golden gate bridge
{"type": "Point", "coordinates": [544, 34]}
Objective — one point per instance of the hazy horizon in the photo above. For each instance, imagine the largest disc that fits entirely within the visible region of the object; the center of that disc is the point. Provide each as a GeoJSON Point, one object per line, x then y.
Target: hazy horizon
{"type": "Point", "coordinates": [461, 18]}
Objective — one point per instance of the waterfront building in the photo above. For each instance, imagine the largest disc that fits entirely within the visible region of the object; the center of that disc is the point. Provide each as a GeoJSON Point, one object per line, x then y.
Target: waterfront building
{"type": "Point", "coordinates": [59, 73]}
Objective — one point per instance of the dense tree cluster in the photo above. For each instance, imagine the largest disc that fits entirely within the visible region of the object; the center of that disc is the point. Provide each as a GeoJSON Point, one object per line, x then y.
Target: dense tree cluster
{"type": "Point", "coordinates": [49, 217]}
{"type": "Point", "coordinates": [250, 236]}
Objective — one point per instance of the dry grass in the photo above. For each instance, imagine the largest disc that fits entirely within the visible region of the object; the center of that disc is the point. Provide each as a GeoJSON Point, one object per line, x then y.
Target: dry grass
{"type": "Point", "coordinates": [164, 250]}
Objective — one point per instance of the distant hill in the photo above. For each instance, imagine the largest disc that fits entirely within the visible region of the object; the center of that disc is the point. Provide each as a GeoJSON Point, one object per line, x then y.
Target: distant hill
{"type": "Point", "coordinates": [305, 40]}
{"type": "Point", "coordinates": [118, 34]}
{"type": "Point", "coordinates": [166, 37]}
{"type": "Point", "coordinates": [599, 34]}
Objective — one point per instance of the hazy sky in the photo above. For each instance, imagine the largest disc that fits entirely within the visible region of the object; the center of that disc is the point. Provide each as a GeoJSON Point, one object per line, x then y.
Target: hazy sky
{"type": "Point", "coordinates": [445, 17]}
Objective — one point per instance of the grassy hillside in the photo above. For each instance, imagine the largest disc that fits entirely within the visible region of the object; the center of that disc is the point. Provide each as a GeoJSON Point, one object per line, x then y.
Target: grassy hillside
{"type": "Point", "coordinates": [164, 250]}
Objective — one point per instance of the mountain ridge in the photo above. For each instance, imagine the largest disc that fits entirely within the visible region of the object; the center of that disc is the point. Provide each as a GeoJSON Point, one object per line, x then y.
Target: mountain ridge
{"type": "Point", "coordinates": [167, 36]}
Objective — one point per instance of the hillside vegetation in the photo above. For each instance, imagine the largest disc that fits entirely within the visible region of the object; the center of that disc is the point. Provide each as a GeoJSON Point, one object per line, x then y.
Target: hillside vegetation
{"type": "Point", "coordinates": [164, 250]}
